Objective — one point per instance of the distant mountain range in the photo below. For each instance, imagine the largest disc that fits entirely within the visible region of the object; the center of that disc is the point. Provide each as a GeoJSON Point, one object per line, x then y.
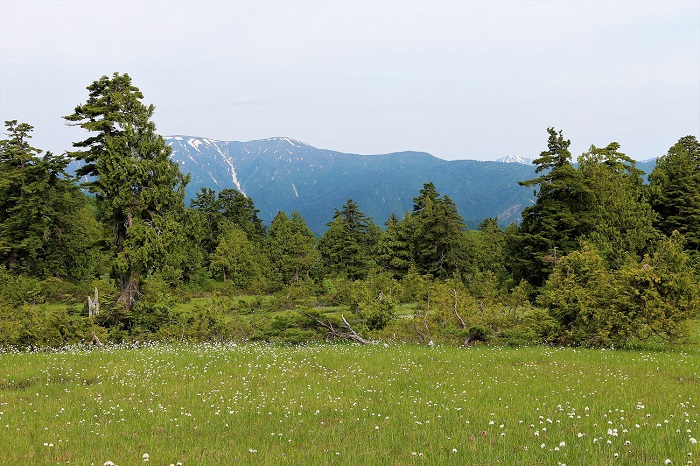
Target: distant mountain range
{"type": "Point", "coordinates": [286, 174]}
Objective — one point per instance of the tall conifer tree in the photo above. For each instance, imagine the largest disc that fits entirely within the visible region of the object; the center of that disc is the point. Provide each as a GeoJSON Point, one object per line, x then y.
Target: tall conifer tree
{"type": "Point", "coordinates": [135, 182]}
{"type": "Point", "coordinates": [553, 226]}
{"type": "Point", "coordinates": [437, 237]}
{"type": "Point", "coordinates": [347, 244]}
{"type": "Point", "coordinates": [45, 228]}
{"type": "Point", "coordinates": [291, 248]}
{"type": "Point", "coordinates": [675, 191]}
{"type": "Point", "coordinates": [621, 217]}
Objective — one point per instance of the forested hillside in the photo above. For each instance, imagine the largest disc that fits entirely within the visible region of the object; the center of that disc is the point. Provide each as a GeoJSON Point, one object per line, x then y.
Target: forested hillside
{"type": "Point", "coordinates": [600, 258]}
{"type": "Point", "coordinates": [285, 174]}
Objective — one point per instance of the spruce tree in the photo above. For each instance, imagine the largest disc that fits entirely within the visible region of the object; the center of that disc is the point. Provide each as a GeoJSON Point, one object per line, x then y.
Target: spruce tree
{"type": "Point", "coordinates": [291, 248]}
{"type": "Point", "coordinates": [675, 191]}
{"type": "Point", "coordinates": [621, 217]}
{"type": "Point", "coordinates": [45, 226]}
{"type": "Point", "coordinates": [437, 237]}
{"type": "Point", "coordinates": [394, 249]}
{"type": "Point", "coordinates": [553, 225]}
{"type": "Point", "coordinates": [132, 176]}
{"type": "Point", "coordinates": [347, 245]}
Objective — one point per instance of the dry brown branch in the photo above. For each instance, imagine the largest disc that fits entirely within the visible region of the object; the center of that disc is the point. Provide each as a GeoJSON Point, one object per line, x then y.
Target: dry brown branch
{"type": "Point", "coordinates": [96, 341]}
{"type": "Point", "coordinates": [464, 325]}
{"type": "Point", "coordinates": [345, 332]}
{"type": "Point", "coordinates": [427, 310]}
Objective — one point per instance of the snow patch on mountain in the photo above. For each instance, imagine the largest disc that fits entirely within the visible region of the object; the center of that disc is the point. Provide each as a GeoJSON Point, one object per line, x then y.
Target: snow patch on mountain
{"type": "Point", "coordinates": [234, 176]}
{"type": "Point", "coordinates": [194, 143]}
{"type": "Point", "coordinates": [515, 159]}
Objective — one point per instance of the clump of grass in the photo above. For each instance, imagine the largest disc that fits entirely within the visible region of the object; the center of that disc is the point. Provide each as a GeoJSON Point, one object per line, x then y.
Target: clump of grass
{"type": "Point", "coordinates": [345, 404]}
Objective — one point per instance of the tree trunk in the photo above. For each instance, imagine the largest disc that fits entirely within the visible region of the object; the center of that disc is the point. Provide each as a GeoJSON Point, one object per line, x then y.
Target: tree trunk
{"type": "Point", "coordinates": [128, 289]}
{"type": "Point", "coordinates": [94, 305]}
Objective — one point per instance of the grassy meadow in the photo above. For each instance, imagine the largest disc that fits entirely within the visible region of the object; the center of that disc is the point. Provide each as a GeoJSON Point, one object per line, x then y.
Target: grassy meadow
{"type": "Point", "coordinates": [346, 404]}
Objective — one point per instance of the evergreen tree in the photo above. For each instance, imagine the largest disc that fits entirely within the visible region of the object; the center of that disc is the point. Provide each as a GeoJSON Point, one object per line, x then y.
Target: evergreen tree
{"type": "Point", "coordinates": [347, 245]}
{"type": "Point", "coordinates": [133, 178]}
{"type": "Point", "coordinates": [20, 234]}
{"type": "Point", "coordinates": [484, 262]}
{"type": "Point", "coordinates": [675, 191]}
{"type": "Point", "coordinates": [239, 209]}
{"type": "Point", "coordinates": [654, 297]}
{"type": "Point", "coordinates": [621, 217]}
{"type": "Point", "coordinates": [394, 248]}
{"type": "Point", "coordinates": [553, 225]}
{"type": "Point", "coordinates": [229, 206]}
{"type": "Point", "coordinates": [491, 246]}
{"type": "Point", "coordinates": [45, 226]}
{"type": "Point", "coordinates": [660, 294]}
{"type": "Point", "coordinates": [427, 194]}
{"type": "Point", "coordinates": [577, 294]}
{"type": "Point", "coordinates": [236, 258]}
{"type": "Point", "coordinates": [206, 206]}
{"type": "Point", "coordinates": [437, 238]}
{"type": "Point", "coordinates": [291, 248]}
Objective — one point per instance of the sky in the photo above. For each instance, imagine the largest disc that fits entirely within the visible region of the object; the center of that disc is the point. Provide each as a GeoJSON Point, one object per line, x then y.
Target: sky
{"type": "Point", "coordinates": [458, 79]}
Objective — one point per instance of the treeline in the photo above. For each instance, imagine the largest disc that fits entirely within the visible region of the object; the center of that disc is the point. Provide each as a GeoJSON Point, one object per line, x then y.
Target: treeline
{"type": "Point", "coordinates": [600, 259]}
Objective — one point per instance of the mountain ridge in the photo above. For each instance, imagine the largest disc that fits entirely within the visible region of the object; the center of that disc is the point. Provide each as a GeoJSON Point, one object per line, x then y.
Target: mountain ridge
{"type": "Point", "coordinates": [283, 173]}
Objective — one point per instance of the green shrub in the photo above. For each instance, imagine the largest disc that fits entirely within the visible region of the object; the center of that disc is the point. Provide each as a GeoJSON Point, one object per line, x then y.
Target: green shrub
{"type": "Point", "coordinates": [376, 315]}
{"type": "Point", "coordinates": [480, 333]}
{"type": "Point", "coordinates": [518, 336]}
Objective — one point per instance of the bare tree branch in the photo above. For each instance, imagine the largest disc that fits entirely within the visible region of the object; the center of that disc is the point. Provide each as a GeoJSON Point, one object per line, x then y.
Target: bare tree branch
{"type": "Point", "coordinates": [345, 332]}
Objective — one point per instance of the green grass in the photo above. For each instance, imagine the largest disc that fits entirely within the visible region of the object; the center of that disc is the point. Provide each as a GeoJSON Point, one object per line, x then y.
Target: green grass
{"type": "Point", "coordinates": [345, 404]}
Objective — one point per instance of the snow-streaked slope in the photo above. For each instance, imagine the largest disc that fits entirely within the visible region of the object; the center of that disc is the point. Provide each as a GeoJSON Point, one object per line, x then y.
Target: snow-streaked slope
{"type": "Point", "coordinates": [286, 174]}
{"type": "Point", "coordinates": [515, 159]}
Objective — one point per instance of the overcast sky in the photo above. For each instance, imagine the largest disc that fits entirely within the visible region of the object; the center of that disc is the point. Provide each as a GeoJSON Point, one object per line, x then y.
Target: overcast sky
{"type": "Point", "coordinates": [459, 79]}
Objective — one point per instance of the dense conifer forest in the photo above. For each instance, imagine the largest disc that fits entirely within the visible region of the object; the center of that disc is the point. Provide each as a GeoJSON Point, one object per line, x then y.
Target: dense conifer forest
{"type": "Point", "coordinates": [601, 259]}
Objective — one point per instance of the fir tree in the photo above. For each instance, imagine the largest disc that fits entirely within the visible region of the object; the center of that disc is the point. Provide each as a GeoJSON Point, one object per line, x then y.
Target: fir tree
{"type": "Point", "coordinates": [291, 249]}
{"type": "Point", "coordinates": [552, 227]}
{"type": "Point", "coordinates": [133, 178]}
{"type": "Point", "coordinates": [621, 218]}
{"type": "Point", "coordinates": [675, 191]}
{"type": "Point", "coordinates": [45, 226]}
{"type": "Point", "coordinates": [437, 238]}
{"type": "Point", "coordinates": [347, 244]}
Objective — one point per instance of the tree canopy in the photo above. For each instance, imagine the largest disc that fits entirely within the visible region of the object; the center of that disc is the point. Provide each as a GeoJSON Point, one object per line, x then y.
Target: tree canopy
{"type": "Point", "coordinates": [600, 259]}
{"type": "Point", "coordinates": [134, 181]}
